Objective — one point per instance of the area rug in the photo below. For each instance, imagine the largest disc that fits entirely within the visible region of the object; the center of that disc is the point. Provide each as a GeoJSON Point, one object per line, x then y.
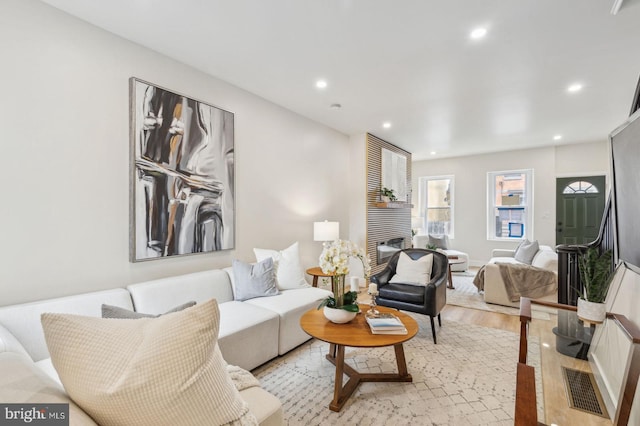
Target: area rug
{"type": "Point", "coordinates": [465, 294]}
{"type": "Point", "coordinates": [468, 378]}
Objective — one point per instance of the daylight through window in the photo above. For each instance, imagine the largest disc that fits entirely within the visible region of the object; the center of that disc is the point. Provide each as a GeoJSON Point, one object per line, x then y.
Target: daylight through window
{"type": "Point", "coordinates": [436, 205]}
{"type": "Point", "coordinates": [510, 204]}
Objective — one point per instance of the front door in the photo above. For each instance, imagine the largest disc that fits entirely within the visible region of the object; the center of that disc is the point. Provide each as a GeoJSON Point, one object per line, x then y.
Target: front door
{"type": "Point", "coordinates": [579, 209]}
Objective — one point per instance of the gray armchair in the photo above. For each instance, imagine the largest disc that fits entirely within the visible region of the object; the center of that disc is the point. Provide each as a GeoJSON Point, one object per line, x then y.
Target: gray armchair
{"type": "Point", "coordinates": [427, 300]}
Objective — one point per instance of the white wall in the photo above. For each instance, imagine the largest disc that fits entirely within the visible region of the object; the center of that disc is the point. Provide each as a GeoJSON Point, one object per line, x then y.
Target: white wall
{"type": "Point", "coordinates": [64, 105]}
{"type": "Point", "coordinates": [470, 189]}
{"type": "Point", "coordinates": [586, 159]}
{"type": "Point", "coordinates": [357, 189]}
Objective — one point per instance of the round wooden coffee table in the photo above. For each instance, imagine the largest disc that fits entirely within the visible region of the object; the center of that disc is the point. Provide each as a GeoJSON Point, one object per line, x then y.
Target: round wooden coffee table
{"type": "Point", "coordinates": [357, 334]}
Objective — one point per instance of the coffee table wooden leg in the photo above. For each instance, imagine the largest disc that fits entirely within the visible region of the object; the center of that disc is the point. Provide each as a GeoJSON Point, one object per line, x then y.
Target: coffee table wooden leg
{"type": "Point", "coordinates": [332, 352]}
{"type": "Point", "coordinates": [341, 394]}
{"type": "Point", "coordinates": [450, 279]}
{"type": "Point", "coordinates": [337, 389]}
{"type": "Point", "coordinates": [400, 360]}
{"type": "Point", "coordinates": [315, 281]}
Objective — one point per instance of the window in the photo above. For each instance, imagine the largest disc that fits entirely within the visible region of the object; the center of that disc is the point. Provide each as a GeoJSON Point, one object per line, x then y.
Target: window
{"type": "Point", "coordinates": [510, 204]}
{"type": "Point", "coordinates": [436, 205]}
{"type": "Point", "coordinates": [580, 187]}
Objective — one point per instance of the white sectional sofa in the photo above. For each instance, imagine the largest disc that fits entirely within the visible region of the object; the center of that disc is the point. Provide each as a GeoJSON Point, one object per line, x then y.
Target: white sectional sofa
{"type": "Point", "coordinates": [494, 286]}
{"type": "Point", "coordinates": [251, 333]}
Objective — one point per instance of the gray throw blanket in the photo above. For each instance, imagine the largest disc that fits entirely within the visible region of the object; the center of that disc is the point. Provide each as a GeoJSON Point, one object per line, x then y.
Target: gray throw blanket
{"type": "Point", "coordinates": [478, 280]}
{"type": "Point", "coordinates": [522, 280]}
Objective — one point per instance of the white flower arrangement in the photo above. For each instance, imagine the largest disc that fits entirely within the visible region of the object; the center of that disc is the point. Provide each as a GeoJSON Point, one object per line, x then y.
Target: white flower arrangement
{"type": "Point", "coordinates": [334, 258]}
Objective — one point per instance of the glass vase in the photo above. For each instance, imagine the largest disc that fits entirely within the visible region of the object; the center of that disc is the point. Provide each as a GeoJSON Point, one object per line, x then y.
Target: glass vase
{"type": "Point", "coordinates": [337, 286]}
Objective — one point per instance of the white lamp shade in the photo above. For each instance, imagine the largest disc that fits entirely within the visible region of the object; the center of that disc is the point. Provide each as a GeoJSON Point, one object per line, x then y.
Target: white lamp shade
{"type": "Point", "coordinates": [326, 231]}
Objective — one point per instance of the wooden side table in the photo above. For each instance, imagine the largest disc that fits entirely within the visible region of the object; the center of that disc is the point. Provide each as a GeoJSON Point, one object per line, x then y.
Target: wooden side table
{"type": "Point", "coordinates": [316, 272]}
{"type": "Point", "coordinates": [452, 261]}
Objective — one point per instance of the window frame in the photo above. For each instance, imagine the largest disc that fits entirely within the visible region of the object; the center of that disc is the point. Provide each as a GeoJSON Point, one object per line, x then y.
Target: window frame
{"type": "Point", "coordinates": [528, 207]}
{"type": "Point", "coordinates": [423, 184]}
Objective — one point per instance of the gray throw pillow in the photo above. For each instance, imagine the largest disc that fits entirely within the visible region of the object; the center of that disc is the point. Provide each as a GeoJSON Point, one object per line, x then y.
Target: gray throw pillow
{"type": "Point", "coordinates": [254, 280]}
{"type": "Point", "coordinates": [109, 311]}
{"type": "Point", "coordinates": [440, 241]}
{"type": "Point", "coordinates": [526, 251]}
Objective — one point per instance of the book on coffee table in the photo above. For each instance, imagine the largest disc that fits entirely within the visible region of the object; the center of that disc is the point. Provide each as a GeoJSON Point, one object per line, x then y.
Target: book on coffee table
{"type": "Point", "coordinates": [388, 324]}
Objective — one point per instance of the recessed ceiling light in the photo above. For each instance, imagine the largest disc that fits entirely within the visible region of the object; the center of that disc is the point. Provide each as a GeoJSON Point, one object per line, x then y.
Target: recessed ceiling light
{"type": "Point", "coordinates": [478, 33]}
{"type": "Point", "coordinates": [386, 124]}
{"type": "Point", "coordinates": [433, 153]}
{"type": "Point", "coordinates": [335, 106]}
{"type": "Point", "coordinates": [321, 84]}
{"type": "Point", "coordinates": [557, 137]}
{"type": "Point", "coordinates": [576, 87]}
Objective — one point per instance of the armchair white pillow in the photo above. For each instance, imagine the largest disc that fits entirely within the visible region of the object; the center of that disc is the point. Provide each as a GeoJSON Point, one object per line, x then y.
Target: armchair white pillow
{"type": "Point", "coordinates": [413, 272]}
{"type": "Point", "coordinates": [289, 271]}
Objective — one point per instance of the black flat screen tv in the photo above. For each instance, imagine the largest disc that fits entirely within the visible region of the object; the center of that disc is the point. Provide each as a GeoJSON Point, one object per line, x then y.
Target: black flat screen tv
{"type": "Point", "coordinates": [625, 149]}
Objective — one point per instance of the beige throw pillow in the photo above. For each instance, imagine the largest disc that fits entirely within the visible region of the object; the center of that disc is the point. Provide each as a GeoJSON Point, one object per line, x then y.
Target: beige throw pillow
{"type": "Point", "coordinates": [149, 371]}
{"type": "Point", "coordinates": [413, 272]}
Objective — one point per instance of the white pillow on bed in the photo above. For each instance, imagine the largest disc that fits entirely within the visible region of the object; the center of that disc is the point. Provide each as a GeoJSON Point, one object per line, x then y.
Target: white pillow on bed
{"type": "Point", "coordinates": [413, 272]}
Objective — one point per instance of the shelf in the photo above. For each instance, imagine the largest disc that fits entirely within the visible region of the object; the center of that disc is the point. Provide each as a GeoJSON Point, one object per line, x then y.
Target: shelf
{"type": "Point", "coordinates": [393, 205]}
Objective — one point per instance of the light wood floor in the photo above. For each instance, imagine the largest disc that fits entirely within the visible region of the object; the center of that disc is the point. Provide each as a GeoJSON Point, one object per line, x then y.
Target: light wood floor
{"type": "Point", "coordinates": [556, 406]}
{"type": "Point", "coordinates": [482, 318]}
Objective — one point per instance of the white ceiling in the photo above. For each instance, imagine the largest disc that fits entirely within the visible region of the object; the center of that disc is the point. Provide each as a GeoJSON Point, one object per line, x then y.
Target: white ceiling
{"type": "Point", "coordinates": [409, 62]}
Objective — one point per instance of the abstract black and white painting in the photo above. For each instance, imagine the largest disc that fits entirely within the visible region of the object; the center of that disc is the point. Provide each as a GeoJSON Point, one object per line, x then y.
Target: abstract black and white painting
{"type": "Point", "coordinates": [182, 183]}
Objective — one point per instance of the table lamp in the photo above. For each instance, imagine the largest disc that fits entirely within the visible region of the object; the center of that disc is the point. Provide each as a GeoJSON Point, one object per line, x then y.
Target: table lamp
{"type": "Point", "coordinates": [326, 231]}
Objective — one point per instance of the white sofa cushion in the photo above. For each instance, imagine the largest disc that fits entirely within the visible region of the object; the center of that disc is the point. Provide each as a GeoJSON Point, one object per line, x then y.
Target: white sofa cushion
{"type": "Point", "coordinates": [546, 259]}
{"type": "Point", "coordinates": [263, 405]}
{"type": "Point", "coordinates": [147, 371]}
{"type": "Point", "coordinates": [22, 382]}
{"type": "Point", "coordinates": [9, 343]}
{"type": "Point", "coordinates": [504, 260]}
{"type": "Point", "coordinates": [23, 321]}
{"type": "Point", "coordinates": [158, 296]}
{"type": "Point", "coordinates": [243, 327]}
{"type": "Point", "coordinates": [290, 305]}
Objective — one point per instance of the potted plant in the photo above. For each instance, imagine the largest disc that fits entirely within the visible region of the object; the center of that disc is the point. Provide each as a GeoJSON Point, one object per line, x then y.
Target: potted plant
{"type": "Point", "coordinates": [387, 195]}
{"type": "Point", "coordinates": [595, 274]}
{"type": "Point", "coordinates": [342, 307]}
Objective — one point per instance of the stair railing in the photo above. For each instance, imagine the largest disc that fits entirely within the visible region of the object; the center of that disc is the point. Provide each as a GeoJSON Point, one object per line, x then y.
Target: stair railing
{"type": "Point", "coordinates": [569, 283]}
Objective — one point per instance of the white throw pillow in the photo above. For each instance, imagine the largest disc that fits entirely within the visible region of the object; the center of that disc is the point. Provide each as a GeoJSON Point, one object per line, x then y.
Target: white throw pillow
{"type": "Point", "coordinates": [413, 272]}
{"type": "Point", "coordinates": [289, 272]}
{"type": "Point", "coordinates": [149, 371]}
